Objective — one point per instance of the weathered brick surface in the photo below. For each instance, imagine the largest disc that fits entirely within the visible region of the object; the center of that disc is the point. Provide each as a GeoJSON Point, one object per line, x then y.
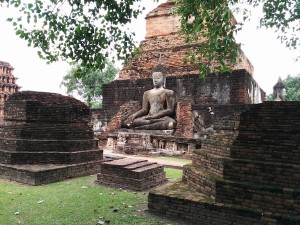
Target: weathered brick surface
{"type": "Point", "coordinates": [201, 180]}
{"type": "Point", "coordinates": [184, 117]}
{"type": "Point", "coordinates": [125, 110]}
{"type": "Point", "coordinates": [219, 89]}
{"type": "Point", "coordinates": [255, 172]}
{"type": "Point", "coordinates": [205, 213]}
{"type": "Point", "coordinates": [45, 138]}
{"type": "Point", "coordinates": [8, 85]}
{"type": "Point", "coordinates": [264, 173]}
{"type": "Point", "coordinates": [34, 145]}
{"type": "Point", "coordinates": [130, 173]}
{"type": "Point", "coordinates": [278, 200]}
{"type": "Point", "coordinates": [162, 38]}
{"type": "Point", "coordinates": [210, 162]}
{"type": "Point", "coordinates": [44, 174]}
{"type": "Point", "coordinates": [224, 88]}
{"type": "Point", "coordinates": [42, 157]}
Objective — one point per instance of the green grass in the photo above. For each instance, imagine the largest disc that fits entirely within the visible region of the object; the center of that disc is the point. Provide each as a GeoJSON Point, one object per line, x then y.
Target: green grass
{"type": "Point", "coordinates": [187, 161]}
{"type": "Point", "coordinates": [75, 201]}
{"type": "Point", "coordinates": [173, 174]}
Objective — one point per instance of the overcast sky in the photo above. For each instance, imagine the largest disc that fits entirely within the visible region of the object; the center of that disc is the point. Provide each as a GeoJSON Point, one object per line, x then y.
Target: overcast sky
{"type": "Point", "coordinates": [269, 57]}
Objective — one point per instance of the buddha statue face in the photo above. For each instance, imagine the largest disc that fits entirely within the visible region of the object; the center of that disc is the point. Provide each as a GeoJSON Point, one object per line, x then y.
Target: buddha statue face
{"type": "Point", "coordinates": [158, 79]}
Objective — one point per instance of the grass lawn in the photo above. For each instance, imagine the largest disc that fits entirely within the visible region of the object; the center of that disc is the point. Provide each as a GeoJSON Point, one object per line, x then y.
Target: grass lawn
{"type": "Point", "coordinates": [76, 202]}
{"type": "Point", "coordinates": [174, 159]}
{"type": "Point", "coordinates": [173, 174]}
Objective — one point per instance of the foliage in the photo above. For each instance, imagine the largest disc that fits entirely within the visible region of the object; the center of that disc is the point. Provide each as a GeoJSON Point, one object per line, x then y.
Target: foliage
{"type": "Point", "coordinates": [88, 31]}
{"type": "Point", "coordinates": [85, 32]}
{"type": "Point", "coordinates": [292, 86]}
{"type": "Point", "coordinates": [88, 83]}
{"type": "Point", "coordinates": [213, 22]}
{"type": "Point", "coordinates": [75, 201]}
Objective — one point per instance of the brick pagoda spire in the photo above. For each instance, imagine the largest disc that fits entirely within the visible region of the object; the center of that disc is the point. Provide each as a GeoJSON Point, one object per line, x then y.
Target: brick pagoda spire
{"type": "Point", "coordinates": [8, 85]}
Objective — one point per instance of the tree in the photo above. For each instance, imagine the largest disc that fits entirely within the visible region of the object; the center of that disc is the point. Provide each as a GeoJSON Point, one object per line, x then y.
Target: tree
{"type": "Point", "coordinates": [88, 83]}
{"type": "Point", "coordinates": [292, 86]}
{"type": "Point", "coordinates": [213, 21]}
{"type": "Point", "coordinates": [87, 31]}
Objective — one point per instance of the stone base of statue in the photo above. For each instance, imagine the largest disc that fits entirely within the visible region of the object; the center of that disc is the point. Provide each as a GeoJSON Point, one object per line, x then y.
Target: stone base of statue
{"type": "Point", "coordinates": [150, 142]}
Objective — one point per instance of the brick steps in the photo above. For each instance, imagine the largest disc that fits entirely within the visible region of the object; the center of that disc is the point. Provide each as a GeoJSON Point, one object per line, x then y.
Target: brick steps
{"type": "Point", "coordinates": [46, 137]}
{"type": "Point", "coordinates": [181, 201]}
{"type": "Point", "coordinates": [134, 174]}
{"type": "Point", "coordinates": [55, 131]}
{"type": "Point", "coordinates": [200, 180]}
{"type": "Point", "coordinates": [262, 173]}
{"type": "Point", "coordinates": [36, 145]}
{"type": "Point", "coordinates": [44, 174]}
{"type": "Point", "coordinates": [209, 162]}
{"type": "Point", "coordinates": [281, 200]}
{"type": "Point", "coordinates": [270, 153]}
{"type": "Point", "coordinates": [131, 183]}
{"type": "Point", "coordinates": [9, 157]}
{"type": "Point", "coordinates": [218, 145]}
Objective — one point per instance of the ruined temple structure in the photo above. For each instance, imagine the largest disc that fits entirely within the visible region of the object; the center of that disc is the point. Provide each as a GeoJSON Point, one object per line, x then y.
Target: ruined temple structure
{"type": "Point", "coordinates": [246, 155]}
{"type": "Point", "coordinates": [247, 173]}
{"type": "Point", "coordinates": [279, 91]}
{"type": "Point", "coordinates": [162, 40]}
{"type": "Point", "coordinates": [45, 138]}
{"type": "Point", "coordinates": [8, 85]}
{"type": "Point", "coordinates": [124, 95]}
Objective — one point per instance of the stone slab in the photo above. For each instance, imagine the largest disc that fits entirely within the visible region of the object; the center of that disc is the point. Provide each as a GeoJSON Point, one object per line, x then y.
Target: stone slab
{"type": "Point", "coordinates": [123, 162]}
{"type": "Point", "coordinates": [44, 174]}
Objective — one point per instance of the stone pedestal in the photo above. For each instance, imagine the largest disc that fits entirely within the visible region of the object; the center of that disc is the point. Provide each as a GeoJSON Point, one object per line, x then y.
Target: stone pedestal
{"type": "Point", "coordinates": [134, 174]}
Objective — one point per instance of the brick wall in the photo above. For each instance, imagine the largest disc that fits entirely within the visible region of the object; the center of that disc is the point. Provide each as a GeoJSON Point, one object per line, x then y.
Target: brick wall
{"type": "Point", "coordinates": [249, 166]}
{"type": "Point", "coordinates": [225, 89]}
{"type": "Point", "coordinates": [46, 128]}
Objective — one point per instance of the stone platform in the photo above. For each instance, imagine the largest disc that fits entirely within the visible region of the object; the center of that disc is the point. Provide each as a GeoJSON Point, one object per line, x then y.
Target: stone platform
{"type": "Point", "coordinates": [148, 142]}
{"type": "Point", "coordinates": [46, 138]}
{"type": "Point", "coordinates": [134, 174]}
{"type": "Point", "coordinates": [44, 174]}
{"type": "Point", "coordinates": [249, 175]}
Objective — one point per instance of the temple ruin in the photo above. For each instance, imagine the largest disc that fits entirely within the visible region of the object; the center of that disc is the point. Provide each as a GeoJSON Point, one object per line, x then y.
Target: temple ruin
{"type": "Point", "coordinates": [123, 96]}
{"type": "Point", "coordinates": [8, 85]}
{"type": "Point", "coordinates": [45, 138]}
{"type": "Point", "coordinates": [245, 152]}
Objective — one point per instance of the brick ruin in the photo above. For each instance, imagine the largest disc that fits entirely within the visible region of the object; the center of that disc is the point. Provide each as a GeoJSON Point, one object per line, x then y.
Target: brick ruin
{"type": "Point", "coordinates": [133, 174]}
{"type": "Point", "coordinates": [162, 39]}
{"type": "Point", "coordinates": [247, 173]}
{"type": "Point", "coordinates": [46, 138]}
{"type": "Point", "coordinates": [8, 85]}
{"type": "Point", "coordinates": [245, 153]}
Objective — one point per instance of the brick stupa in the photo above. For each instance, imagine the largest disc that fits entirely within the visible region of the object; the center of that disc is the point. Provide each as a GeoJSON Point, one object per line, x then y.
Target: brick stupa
{"type": "Point", "coordinates": [162, 39]}
{"type": "Point", "coordinates": [46, 138]}
{"type": "Point", "coordinates": [8, 84]}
